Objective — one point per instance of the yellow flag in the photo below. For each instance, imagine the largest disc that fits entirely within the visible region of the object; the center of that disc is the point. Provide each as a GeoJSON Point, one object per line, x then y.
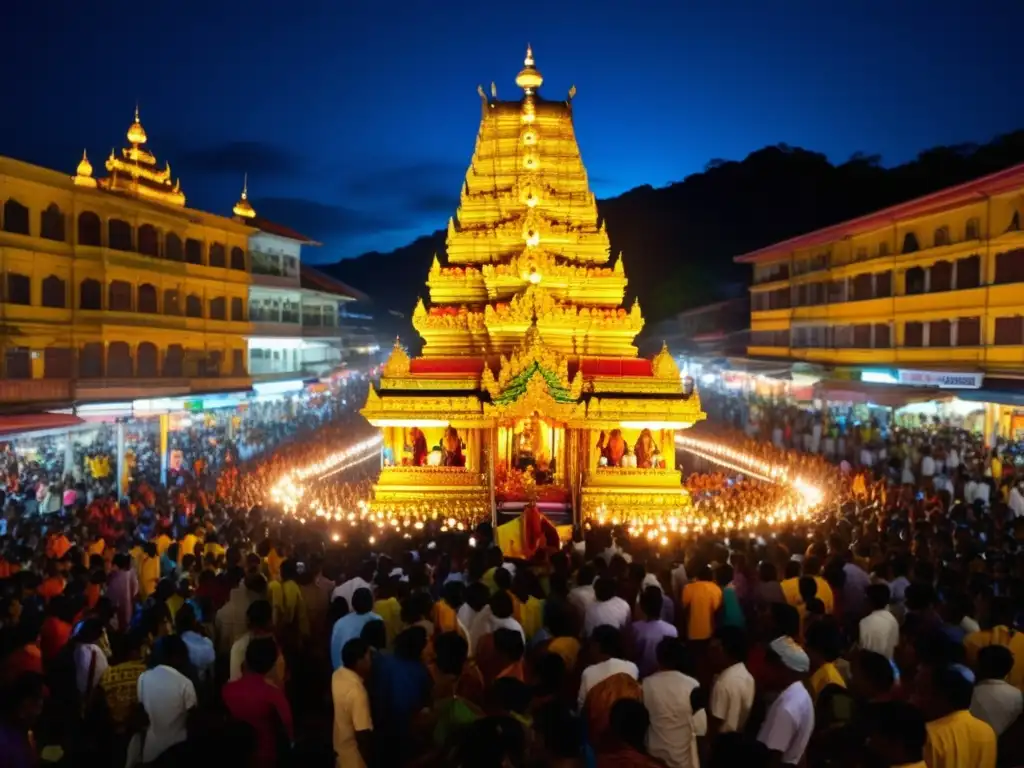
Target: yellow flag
{"type": "Point", "coordinates": [509, 537]}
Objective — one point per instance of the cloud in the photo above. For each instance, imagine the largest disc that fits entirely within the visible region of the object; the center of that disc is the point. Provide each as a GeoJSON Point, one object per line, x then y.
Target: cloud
{"type": "Point", "coordinates": [398, 180]}
{"type": "Point", "coordinates": [235, 158]}
{"type": "Point", "coordinates": [323, 220]}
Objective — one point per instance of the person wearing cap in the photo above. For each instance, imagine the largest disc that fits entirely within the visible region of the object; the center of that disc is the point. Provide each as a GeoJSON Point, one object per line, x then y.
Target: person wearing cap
{"type": "Point", "coordinates": [788, 726]}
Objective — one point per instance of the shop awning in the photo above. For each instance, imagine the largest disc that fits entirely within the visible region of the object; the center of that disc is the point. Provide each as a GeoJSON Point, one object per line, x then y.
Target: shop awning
{"type": "Point", "coordinates": [35, 422]}
{"type": "Point", "coordinates": [998, 391]}
{"type": "Point", "coordinates": [888, 396]}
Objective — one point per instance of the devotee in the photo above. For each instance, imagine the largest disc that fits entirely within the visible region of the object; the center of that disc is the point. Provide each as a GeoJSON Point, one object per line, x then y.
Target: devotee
{"type": "Point", "coordinates": [897, 735]}
{"type": "Point", "coordinates": [253, 700]}
{"type": "Point", "coordinates": [350, 626]}
{"type": "Point", "coordinates": [879, 630]}
{"type": "Point", "coordinates": [732, 693]}
{"type": "Point", "coordinates": [701, 599]}
{"type": "Point", "coordinates": [646, 634]}
{"type": "Point", "coordinates": [608, 608]}
{"type": "Point", "coordinates": [672, 735]}
{"type": "Point", "coordinates": [955, 737]}
{"type": "Point", "coordinates": [994, 700]}
{"type": "Point", "coordinates": [353, 724]}
{"type": "Point", "coordinates": [789, 722]}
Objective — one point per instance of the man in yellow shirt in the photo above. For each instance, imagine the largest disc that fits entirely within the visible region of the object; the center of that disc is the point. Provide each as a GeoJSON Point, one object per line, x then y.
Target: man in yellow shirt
{"type": "Point", "coordinates": [823, 648]}
{"type": "Point", "coordinates": [956, 738]}
{"type": "Point", "coordinates": [162, 541]}
{"type": "Point", "coordinates": [897, 735]}
{"type": "Point", "coordinates": [1001, 616]}
{"type": "Point", "coordinates": [701, 600]}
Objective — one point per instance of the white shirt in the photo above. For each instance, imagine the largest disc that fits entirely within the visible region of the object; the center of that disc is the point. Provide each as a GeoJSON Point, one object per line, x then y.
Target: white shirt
{"type": "Point", "coordinates": [671, 736]}
{"type": "Point", "coordinates": [595, 673]}
{"type": "Point", "coordinates": [581, 597]}
{"type": "Point", "coordinates": [789, 723]}
{"type": "Point", "coordinates": [167, 696]}
{"type": "Point", "coordinates": [732, 696]}
{"type": "Point", "coordinates": [1017, 502]}
{"type": "Point", "coordinates": [88, 655]}
{"type": "Point", "coordinates": [348, 588]}
{"type": "Point", "coordinates": [615, 612]}
{"type": "Point", "coordinates": [927, 466]}
{"type": "Point", "coordinates": [880, 632]}
{"type": "Point", "coordinates": [997, 703]}
{"type": "Point", "coordinates": [485, 623]}
{"type": "Point", "coordinates": [952, 459]}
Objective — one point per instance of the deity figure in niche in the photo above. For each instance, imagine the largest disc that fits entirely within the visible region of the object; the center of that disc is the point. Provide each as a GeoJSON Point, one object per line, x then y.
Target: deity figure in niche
{"type": "Point", "coordinates": [528, 443]}
{"type": "Point", "coordinates": [645, 450]}
{"type": "Point", "coordinates": [451, 449]}
{"type": "Point", "coordinates": [419, 446]}
{"type": "Point", "coordinates": [612, 448]}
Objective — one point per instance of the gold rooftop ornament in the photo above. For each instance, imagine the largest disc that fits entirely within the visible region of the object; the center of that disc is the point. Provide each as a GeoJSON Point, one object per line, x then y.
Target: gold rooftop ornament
{"type": "Point", "coordinates": [134, 172]}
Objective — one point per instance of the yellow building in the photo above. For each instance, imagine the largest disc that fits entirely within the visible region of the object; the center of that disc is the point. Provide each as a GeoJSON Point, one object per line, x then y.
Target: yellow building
{"type": "Point", "coordinates": [529, 386]}
{"type": "Point", "coordinates": [112, 288]}
{"type": "Point", "coordinates": [935, 283]}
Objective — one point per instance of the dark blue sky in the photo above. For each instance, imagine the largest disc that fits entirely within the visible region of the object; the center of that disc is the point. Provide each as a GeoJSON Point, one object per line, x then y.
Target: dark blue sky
{"type": "Point", "coordinates": [356, 121]}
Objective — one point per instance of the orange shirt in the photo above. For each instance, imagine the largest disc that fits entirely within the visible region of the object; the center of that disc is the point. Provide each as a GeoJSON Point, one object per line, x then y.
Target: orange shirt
{"type": "Point", "coordinates": [51, 587]}
{"type": "Point", "coordinates": [702, 599]}
{"type": "Point", "coordinates": [92, 595]}
{"type": "Point", "coordinates": [57, 547]}
{"type": "Point", "coordinates": [53, 636]}
{"type": "Point", "coordinates": [28, 658]}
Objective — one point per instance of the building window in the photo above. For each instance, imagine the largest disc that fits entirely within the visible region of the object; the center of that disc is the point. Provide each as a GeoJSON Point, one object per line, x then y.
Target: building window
{"type": "Point", "coordinates": [54, 293]}
{"type": "Point", "coordinates": [148, 299]}
{"type": "Point", "coordinates": [915, 281]}
{"type": "Point", "coordinates": [89, 229]}
{"type": "Point", "coordinates": [799, 295]}
{"type": "Point", "coordinates": [1014, 225]}
{"type": "Point", "coordinates": [883, 337]}
{"type": "Point", "coordinates": [883, 284]}
{"type": "Point", "coordinates": [837, 292]}
{"type": "Point", "coordinates": [146, 360]}
{"type": "Point", "coordinates": [1010, 267]}
{"type": "Point", "coordinates": [238, 362]}
{"type": "Point", "coordinates": [1009, 331]}
{"type": "Point", "coordinates": [862, 336]}
{"type": "Point", "coordinates": [968, 332]}
{"type": "Point", "coordinates": [218, 309]}
{"type": "Point", "coordinates": [173, 248]}
{"type": "Point", "coordinates": [217, 257]}
{"type": "Point", "coordinates": [51, 223]}
{"type": "Point", "coordinates": [58, 363]}
{"type": "Point", "coordinates": [237, 309]}
{"type": "Point", "coordinates": [17, 363]}
{"type": "Point", "coordinates": [172, 302]}
{"type": "Point", "coordinates": [862, 288]}
{"type": "Point", "coordinates": [90, 361]}
{"type": "Point", "coordinates": [15, 217]}
{"type": "Point", "coordinates": [910, 243]}
{"type": "Point", "coordinates": [19, 289]}
{"type": "Point", "coordinates": [861, 254]}
{"type": "Point", "coordinates": [968, 272]}
{"type": "Point", "coordinates": [941, 237]}
{"type": "Point", "coordinates": [942, 277]}
{"type": "Point", "coordinates": [972, 231]}
{"type": "Point", "coordinates": [212, 364]}
{"type": "Point", "coordinates": [119, 360]}
{"type": "Point", "coordinates": [193, 251]}
{"type": "Point", "coordinates": [940, 333]}
{"type": "Point", "coordinates": [238, 259]}
{"type": "Point", "coordinates": [119, 297]}
{"type": "Point", "coordinates": [149, 241]}
{"type": "Point", "coordinates": [883, 249]}
{"type": "Point", "coordinates": [119, 235]}
{"type": "Point", "coordinates": [913, 334]}
{"type": "Point", "coordinates": [193, 306]}
{"type": "Point", "coordinates": [90, 294]}
{"type": "Point", "coordinates": [174, 361]}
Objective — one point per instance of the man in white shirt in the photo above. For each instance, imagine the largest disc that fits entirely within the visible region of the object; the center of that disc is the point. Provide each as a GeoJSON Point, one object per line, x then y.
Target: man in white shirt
{"type": "Point", "coordinates": [994, 700]}
{"type": "Point", "coordinates": [788, 726]}
{"type": "Point", "coordinates": [582, 595]}
{"type": "Point", "coordinates": [927, 463]}
{"type": "Point", "coordinates": [732, 693]}
{"type": "Point", "coordinates": [879, 630]}
{"type": "Point", "coordinates": [1017, 501]}
{"type": "Point", "coordinates": [608, 608]}
{"type": "Point", "coordinates": [672, 733]}
{"type": "Point", "coordinates": [608, 644]}
{"type": "Point", "coordinates": [363, 579]}
{"type": "Point", "coordinates": [496, 615]}
{"type": "Point", "coordinates": [168, 697]}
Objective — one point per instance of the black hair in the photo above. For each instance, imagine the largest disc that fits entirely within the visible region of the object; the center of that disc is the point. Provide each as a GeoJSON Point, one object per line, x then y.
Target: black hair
{"type": "Point", "coordinates": [629, 721]}
{"type": "Point", "coordinates": [451, 651]}
{"type": "Point", "coordinates": [509, 642]}
{"type": "Point", "coordinates": [353, 651]}
{"type": "Point", "coordinates": [261, 655]}
{"type": "Point", "coordinates": [608, 639]}
{"type": "Point", "coordinates": [994, 662]}
{"type": "Point", "coordinates": [734, 643]}
{"type": "Point", "coordinates": [878, 596]}
{"type": "Point", "coordinates": [650, 602]}
{"type": "Point", "coordinates": [605, 588]}
{"type": "Point", "coordinates": [501, 605]}
{"type": "Point", "coordinates": [900, 723]}
{"type": "Point", "coordinates": [259, 614]}
{"type": "Point", "coordinates": [362, 600]}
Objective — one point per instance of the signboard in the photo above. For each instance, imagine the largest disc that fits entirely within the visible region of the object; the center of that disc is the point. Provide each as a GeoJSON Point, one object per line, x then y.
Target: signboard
{"type": "Point", "coordinates": [940, 379]}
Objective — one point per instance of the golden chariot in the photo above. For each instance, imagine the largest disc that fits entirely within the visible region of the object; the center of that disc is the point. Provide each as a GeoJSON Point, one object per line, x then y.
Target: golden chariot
{"type": "Point", "coordinates": [529, 387]}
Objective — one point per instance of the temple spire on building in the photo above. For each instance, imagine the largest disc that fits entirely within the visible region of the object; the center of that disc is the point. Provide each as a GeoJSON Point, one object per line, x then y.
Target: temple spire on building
{"type": "Point", "coordinates": [530, 78]}
{"type": "Point", "coordinates": [83, 174]}
{"type": "Point", "coordinates": [134, 172]}
{"type": "Point", "coordinates": [243, 208]}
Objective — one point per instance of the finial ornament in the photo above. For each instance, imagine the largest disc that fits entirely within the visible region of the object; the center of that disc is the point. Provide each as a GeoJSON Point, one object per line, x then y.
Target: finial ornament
{"type": "Point", "coordinates": [529, 79]}
{"type": "Point", "coordinates": [572, 92]}
{"type": "Point", "coordinates": [528, 61]}
{"type": "Point", "coordinates": [83, 174]}
{"type": "Point", "coordinates": [136, 133]}
{"type": "Point", "coordinates": [243, 208]}
{"type": "Point", "coordinates": [398, 361]}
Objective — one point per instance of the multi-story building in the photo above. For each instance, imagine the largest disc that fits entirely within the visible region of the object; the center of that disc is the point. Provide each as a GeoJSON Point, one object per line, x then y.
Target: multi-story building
{"type": "Point", "coordinates": [937, 282]}
{"type": "Point", "coordinates": [113, 289]}
{"type": "Point", "coordinates": [710, 331]}
{"type": "Point", "coordinates": [929, 292]}
{"type": "Point", "coordinates": [295, 311]}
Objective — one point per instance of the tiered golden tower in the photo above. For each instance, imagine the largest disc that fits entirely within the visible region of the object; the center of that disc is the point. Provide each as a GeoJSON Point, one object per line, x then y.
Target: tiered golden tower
{"type": "Point", "coordinates": [529, 386]}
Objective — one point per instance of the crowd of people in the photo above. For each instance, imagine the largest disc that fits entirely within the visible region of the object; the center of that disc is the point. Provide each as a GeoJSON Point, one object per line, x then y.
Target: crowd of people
{"type": "Point", "coordinates": [195, 624]}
